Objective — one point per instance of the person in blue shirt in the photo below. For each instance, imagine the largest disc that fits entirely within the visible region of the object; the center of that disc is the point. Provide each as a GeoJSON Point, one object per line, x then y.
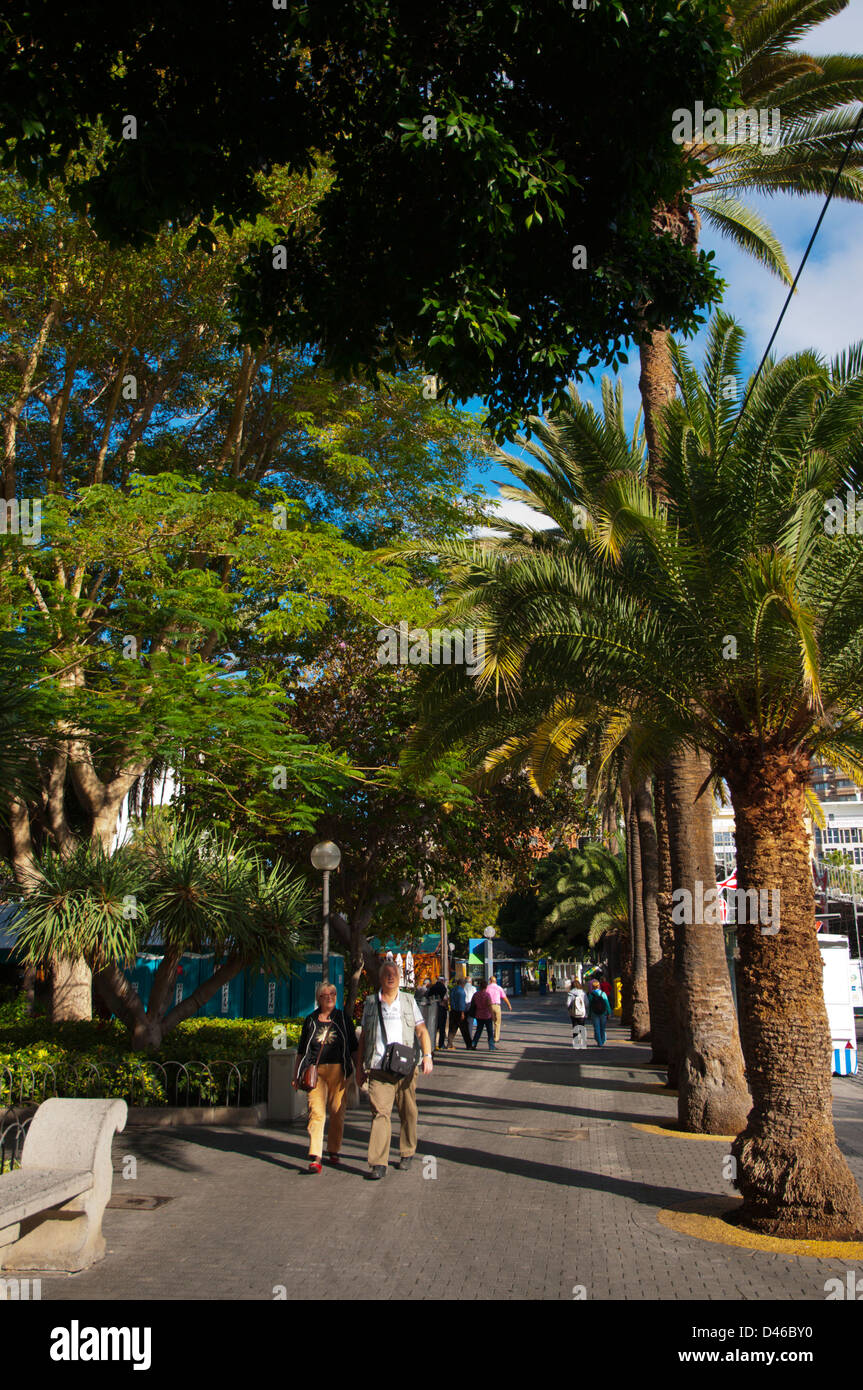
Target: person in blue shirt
{"type": "Point", "coordinates": [598, 1009]}
{"type": "Point", "coordinates": [458, 1019]}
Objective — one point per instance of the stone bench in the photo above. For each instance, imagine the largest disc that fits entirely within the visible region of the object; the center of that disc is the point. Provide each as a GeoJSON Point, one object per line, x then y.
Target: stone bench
{"type": "Point", "coordinates": [51, 1207]}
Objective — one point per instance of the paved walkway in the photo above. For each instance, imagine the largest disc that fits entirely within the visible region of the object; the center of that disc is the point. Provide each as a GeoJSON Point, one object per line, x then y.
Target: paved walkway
{"type": "Point", "coordinates": [542, 1184]}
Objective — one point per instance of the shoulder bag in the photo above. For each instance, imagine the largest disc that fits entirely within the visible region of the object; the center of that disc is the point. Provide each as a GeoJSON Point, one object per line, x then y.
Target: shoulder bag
{"type": "Point", "coordinates": [398, 1060]}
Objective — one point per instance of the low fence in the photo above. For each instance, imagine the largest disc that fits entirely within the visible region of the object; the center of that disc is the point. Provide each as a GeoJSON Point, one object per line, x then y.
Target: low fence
{"type": "Point", "coordinates": [25, 1086]}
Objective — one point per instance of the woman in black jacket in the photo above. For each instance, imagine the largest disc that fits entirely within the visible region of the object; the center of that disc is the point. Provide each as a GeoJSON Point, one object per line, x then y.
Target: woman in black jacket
{"type": "Point", "coordinates": [329, 1041]}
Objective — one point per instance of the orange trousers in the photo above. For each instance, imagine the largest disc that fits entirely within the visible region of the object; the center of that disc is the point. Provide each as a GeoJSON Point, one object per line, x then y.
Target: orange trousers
{"type": "Point", "coordinates": [331, 1091]}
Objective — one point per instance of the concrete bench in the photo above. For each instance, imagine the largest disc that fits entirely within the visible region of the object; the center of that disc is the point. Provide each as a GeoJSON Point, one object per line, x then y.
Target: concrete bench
{"type": "Point", "coordinates": [51, 1207]}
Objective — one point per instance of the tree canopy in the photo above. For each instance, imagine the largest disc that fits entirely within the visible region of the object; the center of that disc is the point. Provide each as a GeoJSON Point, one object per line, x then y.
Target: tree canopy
{"type": "Point", "coordinates": [465, 208]}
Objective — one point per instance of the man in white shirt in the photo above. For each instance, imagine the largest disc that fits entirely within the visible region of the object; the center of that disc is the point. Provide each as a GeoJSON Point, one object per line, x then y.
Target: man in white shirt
{"type": "Point", "coordinates": [469, 990]}
{"type": "Point", "coordinates": [402, 1023]}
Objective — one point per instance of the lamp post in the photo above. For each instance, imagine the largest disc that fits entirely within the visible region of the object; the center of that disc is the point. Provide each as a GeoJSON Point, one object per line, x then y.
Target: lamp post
{"type": "Point", "coordinates": [326, 857]}
{"type": "Point", "coordinates": [489, 935]}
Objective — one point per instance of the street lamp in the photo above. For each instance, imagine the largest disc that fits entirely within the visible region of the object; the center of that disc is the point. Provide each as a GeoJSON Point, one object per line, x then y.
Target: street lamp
{"type": "Point", "coordinates": [489, 935]}
{"type": "Point", "coordinates": [326, 857]}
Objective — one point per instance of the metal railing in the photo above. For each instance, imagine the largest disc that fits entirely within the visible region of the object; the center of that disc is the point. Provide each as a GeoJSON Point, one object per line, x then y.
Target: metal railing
{"type": "Point", "coordinates": [14, 1124]}
{"type": "Point", "coordinates": [24, 1086]}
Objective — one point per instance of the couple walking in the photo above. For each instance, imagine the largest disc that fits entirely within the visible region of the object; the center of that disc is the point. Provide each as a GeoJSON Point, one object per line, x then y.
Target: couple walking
{"type": "Point", "coordinates": [582, 1004]}
{"type": "Point", "coordinates": [391, 1041]}
{"type": "Point", "coordinates": [484, 1005]}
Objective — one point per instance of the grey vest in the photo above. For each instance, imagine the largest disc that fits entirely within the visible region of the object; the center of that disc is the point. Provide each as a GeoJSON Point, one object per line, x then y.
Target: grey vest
{"type": "Point", "coordinates": [371, 1027]}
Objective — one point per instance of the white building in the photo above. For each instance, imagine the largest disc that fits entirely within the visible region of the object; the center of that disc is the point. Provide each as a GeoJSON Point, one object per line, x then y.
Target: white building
{"type": "Point", "coordinates": [843, 830]}
{"type": "Point", "coordinates": [724, 844]}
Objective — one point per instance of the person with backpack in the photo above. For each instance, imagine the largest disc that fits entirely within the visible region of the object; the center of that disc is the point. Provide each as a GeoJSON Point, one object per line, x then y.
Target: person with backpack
{"type": "Point", "coordinates": [576, 1005]}
{"type": "Point", "coordinates": [598, 1009]}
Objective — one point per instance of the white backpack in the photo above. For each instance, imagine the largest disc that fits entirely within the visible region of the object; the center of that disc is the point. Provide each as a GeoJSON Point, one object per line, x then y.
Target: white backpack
{"type": "Point", "coordinates": [577, 1010]}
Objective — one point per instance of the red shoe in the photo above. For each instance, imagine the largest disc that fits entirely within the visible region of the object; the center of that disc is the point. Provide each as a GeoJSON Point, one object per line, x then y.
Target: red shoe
{"type": "Point", "coordinates": [315, 1165]}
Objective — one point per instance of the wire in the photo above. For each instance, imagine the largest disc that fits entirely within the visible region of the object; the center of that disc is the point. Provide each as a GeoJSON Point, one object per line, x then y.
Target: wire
{"type": "Point", "coordinates": [790, 294]}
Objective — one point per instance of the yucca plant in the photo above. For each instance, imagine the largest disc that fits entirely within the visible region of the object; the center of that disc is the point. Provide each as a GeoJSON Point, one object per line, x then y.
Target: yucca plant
{"type": "Point", "coordinates": [177, 887]}
{"type": "Point", "coordinates": [83, 906]}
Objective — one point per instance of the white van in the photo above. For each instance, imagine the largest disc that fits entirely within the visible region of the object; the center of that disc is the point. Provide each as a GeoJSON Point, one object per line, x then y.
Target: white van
{"type": "Point", "coordinates": [836, 960]}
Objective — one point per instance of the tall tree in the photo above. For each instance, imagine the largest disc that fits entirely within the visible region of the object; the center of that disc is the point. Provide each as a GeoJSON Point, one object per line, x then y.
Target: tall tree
{"type": "Point", "coordinates": [466, 213]}
{"type": "Point", "coordinates": [733, 621]}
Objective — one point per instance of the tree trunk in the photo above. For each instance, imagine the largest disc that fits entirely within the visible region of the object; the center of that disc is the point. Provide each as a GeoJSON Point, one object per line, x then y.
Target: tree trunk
{"type": "Point", "coordinates": [625, 979]}
{"type": "Point", "coordinates": [657, 999]}
{"type": "Point", "coordinates": [352, 936]}
{"type": "Point", "coordinates": [640, 1009]}
{"type": "Point", "coordinates": [71, 991]}
{"type": "Point", "coordinates": [712, 1093]}
{"type": "Point", "coordinates": [657, 386]}
{"type": "Point", "coordinates": [713, 1098]}
{"type": "Point", "coordinates": [669, 1018]}
{"type": "Point", "coordinates": [793, 1178]}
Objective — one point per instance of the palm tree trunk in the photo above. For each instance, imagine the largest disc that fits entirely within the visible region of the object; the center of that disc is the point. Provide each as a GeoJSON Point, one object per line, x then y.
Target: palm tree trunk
{"type": "Point", "coordinates": [712, 1093]}
{"type": "Point", "coordinates": [625, 979]}
{"type": "Point", "coordinates": [793, 1178]}
{"type": "Point", "coordinates": [669, 1018]}
{"type": "Point", "coordinates": [640, 1007]}
{"type": "Point", "coordinates": [657, 386]}
{"type": "Point", "coordinates": [657, 998]}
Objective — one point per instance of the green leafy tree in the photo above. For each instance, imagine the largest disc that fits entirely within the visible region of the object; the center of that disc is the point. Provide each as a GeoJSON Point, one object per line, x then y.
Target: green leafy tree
{"type": "Point", "coordinates": [465, 214]}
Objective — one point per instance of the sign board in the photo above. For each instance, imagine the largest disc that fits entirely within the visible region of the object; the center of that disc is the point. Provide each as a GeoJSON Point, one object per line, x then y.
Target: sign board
{"type": "Point", "coordinates": [857, 983]}
{"type": "Point", "coordinates": [836, 960]}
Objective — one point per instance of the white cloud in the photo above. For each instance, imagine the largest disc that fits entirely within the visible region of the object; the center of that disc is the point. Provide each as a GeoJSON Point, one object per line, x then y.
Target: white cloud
{"type": "Point", "coordinates": [518, 512]}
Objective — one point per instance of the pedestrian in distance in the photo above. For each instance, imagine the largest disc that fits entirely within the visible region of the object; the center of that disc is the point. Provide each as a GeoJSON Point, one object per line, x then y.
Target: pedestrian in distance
{"type": "Point", "coordinates": [497, 997]}
{"type": "Point", "coordinates": [328, 1043]}
{"type": "Point", "coordinates": [598, 1009]}
{"type": "Point", "coordinates": [392, 1039]}
{"type": "Point", "coordinates": [458, 1020]}
{"type": "Point", "coordinates": [469, 992]}
{"type": "Point", "coordinates": [576, 1005]}
{"type": "Point", "coordinates": [484, 1019]}
{"type": "Point", "coordinates": [438, 991]}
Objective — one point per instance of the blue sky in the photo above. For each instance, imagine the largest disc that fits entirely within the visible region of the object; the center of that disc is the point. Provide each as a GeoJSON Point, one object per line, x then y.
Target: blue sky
{"type": "Point", "coordinates": [827, 310]}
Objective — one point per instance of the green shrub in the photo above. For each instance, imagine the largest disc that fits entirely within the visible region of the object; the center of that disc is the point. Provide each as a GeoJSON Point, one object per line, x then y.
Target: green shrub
{"type": "Point", "coordinates": [29, 1046]}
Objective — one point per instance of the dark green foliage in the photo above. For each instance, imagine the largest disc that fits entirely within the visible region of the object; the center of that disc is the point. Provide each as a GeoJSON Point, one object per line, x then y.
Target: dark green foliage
{"type": "Point", "coordinates": [554, 130]}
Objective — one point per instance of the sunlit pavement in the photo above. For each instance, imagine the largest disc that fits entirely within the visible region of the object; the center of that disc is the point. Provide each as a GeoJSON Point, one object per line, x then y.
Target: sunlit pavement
{"type": "Point", "coordinates": [531, 1181]}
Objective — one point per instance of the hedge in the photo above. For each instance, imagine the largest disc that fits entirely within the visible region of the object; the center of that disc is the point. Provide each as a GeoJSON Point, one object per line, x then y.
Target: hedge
{"type": "Point", "coordinates": [28, 1045]}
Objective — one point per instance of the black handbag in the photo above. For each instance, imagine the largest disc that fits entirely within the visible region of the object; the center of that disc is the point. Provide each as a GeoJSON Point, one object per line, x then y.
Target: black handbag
{"type": "Point", "coordinates": [398, 1060]}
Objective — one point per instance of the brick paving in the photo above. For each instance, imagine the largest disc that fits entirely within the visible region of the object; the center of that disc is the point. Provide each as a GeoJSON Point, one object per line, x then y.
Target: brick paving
{"type": "Point", "coordinates": [506, 1216]}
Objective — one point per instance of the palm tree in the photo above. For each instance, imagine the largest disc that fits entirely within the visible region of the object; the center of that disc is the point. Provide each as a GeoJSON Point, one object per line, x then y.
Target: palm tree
{"type": "Point", "coordinates": [732, 621]}
{"type": "Point", "coordinates": [813, 95]}
{"type": "Point", "coordinates": [587, 462]}
{"type": "Point", "coordinates": [584, 893]}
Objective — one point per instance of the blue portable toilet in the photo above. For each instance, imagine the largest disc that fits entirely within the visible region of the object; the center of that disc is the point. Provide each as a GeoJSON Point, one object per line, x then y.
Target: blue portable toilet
{"type": "Point", "coordinates": [191, 970]}
{"type": "Point", "coordinates": [141, 975]}
{"type": "Point", "coordinates": [230, 1000]}
{"type": "Point", "coordinates": [267, 995]}
{"type": "Point", "coordinates": [307, 976]}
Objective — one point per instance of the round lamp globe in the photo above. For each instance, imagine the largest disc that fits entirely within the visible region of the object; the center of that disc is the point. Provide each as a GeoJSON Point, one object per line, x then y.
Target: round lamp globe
{"type": "Point", "coordinates": [326, 856]}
